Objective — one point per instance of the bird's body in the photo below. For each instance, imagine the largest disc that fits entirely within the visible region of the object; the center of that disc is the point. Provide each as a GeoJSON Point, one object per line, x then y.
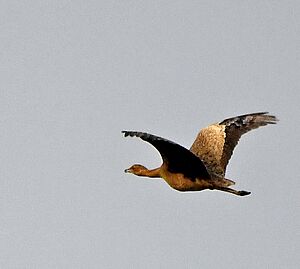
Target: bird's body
{"type": "Point", "coordinates": [180, 182]}
{"type": "Point", "coordinates": [204, 165]}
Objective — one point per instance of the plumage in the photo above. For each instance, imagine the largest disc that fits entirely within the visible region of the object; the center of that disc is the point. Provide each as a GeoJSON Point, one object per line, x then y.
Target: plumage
{"type": "Point", "coordinates": [178, 158]}
{"type": "Point", "coordinates": [214, 144]}
{"type": "Point", "coordinates": [204, 165]}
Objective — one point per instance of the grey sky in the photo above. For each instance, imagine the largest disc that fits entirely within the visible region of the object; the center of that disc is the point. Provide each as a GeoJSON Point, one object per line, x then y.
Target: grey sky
{"type": "Point", "coordinates": [75, 73]}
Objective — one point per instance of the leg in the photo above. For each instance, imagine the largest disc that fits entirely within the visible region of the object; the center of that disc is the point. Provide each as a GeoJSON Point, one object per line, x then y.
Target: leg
{"type": "Point", "coordinates": [240, 193]}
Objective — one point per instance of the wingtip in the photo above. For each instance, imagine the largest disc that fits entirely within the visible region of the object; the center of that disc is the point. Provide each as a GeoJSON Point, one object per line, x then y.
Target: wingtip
{"type": "Point", "coordinates": [271, 119]}
{"type": "Point", "coordinates": [274, 118]}
{"type": "Point", "coordinates": [132, 133]}
{"type": "Point", "coordinates": [126, 133]}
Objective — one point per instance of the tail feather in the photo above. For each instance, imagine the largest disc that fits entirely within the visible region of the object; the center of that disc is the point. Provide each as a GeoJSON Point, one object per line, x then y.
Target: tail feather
{"type": "Point", "coordinates": [225, 182]}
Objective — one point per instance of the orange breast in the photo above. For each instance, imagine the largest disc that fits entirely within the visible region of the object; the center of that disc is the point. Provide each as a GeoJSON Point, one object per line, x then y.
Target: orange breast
{"type": "Point", "coordinates": [181, 183]}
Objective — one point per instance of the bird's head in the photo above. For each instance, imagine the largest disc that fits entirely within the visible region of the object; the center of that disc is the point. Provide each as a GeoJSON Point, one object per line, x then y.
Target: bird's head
{"type": "Point", "coordinates": [136, 169]}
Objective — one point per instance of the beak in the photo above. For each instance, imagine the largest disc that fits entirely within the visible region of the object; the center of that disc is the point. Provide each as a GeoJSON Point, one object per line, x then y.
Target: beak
{"type": "Point", "coordinates": [127, 170]}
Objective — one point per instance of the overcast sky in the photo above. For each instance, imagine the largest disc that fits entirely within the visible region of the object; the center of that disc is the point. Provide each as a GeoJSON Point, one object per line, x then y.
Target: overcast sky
{"type": "Point", "coordinates": [76, 73]}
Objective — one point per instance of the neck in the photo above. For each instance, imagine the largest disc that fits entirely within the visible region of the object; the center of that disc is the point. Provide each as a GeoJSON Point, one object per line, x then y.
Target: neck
{"type": "Point", "coordinates": [150, 173]}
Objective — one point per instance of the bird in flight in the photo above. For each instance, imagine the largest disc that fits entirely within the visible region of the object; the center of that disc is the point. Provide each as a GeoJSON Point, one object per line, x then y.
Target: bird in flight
{"type": "Point", "coordinates": [203, 166]}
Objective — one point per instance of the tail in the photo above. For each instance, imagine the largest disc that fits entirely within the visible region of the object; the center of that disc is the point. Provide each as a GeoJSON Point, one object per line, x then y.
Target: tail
{"type": "Point", "coordinates": [224, 182]}
{"type": "Point", "coordinates": [239, 193]}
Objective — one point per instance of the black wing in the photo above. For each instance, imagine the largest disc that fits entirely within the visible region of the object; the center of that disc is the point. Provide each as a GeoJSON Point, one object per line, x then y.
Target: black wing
{"type": "Point", "coordinates": [178, 158]}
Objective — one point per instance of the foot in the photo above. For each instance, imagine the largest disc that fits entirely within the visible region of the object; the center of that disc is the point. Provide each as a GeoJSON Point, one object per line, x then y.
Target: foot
{"type": "Point", "coordinates": [243, 193]}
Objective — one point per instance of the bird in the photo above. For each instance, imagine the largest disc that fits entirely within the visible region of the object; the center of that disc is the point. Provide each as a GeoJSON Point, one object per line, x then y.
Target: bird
{"type": "Point", "coordinates": [203, 166]}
